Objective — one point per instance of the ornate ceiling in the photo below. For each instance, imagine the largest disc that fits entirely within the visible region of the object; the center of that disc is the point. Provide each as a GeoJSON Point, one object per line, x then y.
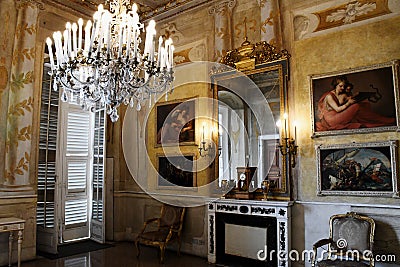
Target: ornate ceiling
{"type": "Point", "coordinates": [147, 8]}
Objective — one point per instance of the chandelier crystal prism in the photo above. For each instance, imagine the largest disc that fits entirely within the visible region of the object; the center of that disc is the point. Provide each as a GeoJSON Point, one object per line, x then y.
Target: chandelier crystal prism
{"type": "Point", "coordinates": [102, 64]}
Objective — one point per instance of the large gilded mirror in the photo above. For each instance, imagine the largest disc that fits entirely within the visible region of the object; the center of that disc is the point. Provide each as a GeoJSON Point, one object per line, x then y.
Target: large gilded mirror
{"type": "Point", "coordinates": [251, 105]}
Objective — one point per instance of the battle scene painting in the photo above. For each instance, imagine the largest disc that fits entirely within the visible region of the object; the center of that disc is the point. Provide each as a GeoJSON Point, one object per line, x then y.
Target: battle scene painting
{"type": "Point", "coordinates": [357, 169]}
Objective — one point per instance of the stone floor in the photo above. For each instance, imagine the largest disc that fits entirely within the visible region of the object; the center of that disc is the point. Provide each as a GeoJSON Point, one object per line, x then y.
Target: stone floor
{"type": "Point", "coordinates": [121, 255]}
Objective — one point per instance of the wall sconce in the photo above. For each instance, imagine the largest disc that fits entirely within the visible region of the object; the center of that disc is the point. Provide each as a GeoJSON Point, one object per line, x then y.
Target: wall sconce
{"type": "Point", "coordinates": [288, 145]}
{"type": "Point", "coordinates": [206, 149]}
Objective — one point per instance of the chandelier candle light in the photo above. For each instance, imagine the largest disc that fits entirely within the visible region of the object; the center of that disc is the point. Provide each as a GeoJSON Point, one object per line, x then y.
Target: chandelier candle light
{"type": "Point", "coordinates": [107, 67]}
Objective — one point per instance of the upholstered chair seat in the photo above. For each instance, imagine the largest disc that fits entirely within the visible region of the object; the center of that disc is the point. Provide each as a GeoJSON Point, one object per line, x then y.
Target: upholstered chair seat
{"type": "Point", "coordinates": [350, 242]}
{"type": "Point", "coordinates": [155, 235]}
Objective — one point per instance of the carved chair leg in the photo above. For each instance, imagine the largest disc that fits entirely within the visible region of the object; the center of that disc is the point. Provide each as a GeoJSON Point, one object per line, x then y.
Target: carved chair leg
{"type": "Point", "coordinates": [162, 253]}
{"type": "Point", "coordinates": [179, 245]}
{"type": "Point", "coordinates": [137, 248]}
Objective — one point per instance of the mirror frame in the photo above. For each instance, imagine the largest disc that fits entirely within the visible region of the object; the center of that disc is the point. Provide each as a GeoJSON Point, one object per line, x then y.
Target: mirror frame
{"type": "Point", "coordinates": [284, 192]}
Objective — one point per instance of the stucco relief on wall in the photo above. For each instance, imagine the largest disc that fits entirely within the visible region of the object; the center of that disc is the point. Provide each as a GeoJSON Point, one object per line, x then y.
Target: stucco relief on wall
{"type": "Point", "coordinates": [192, 52]}
{"type": "Point", "coordinates": [169, 30]}
{"type": "Point", "coordinates": [317, 19]}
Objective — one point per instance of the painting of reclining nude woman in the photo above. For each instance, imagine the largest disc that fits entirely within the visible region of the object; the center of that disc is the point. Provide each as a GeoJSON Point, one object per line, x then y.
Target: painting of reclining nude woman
{"type": "Point", "coordinates": [358, 101]}
{"type": "Point", "coordinates": [357, 169]}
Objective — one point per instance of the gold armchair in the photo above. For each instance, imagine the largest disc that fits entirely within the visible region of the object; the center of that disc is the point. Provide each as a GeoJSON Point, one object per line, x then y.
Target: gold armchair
{"type": "Point", "coordinates": [168, 229]}
{"type": "Point", "coordinates": [350, 242]}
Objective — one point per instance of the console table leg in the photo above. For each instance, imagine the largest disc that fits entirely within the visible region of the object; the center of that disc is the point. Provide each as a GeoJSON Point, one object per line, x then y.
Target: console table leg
{"type": "Point", "coordinates": [10, 241]}
{"type": "Point", "coordinates": [19, 247]}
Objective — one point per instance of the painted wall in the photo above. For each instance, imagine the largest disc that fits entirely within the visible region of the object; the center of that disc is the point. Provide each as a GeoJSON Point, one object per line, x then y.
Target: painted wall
{"type": "Point", "coordinates": [26, 24]}
{"type": "Point", "coordinates": [358, 44]}
{"type": "Point", "coordinates": [219, 26]}
{"type": "Point", "coordinates": [362, 42]}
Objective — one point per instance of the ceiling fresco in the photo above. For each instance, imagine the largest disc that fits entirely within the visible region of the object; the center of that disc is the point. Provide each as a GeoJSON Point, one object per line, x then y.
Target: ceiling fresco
{"type": "Point", "coordinates": [147, 8]}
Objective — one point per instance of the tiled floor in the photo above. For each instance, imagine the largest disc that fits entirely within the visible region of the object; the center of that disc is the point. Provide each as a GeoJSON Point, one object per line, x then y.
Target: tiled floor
{"type": "Point", "coordinates": [120, 255]}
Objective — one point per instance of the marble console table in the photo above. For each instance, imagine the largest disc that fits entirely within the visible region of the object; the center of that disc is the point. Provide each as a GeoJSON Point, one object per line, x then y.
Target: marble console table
{"type": "Point", "coordinates": [12, 225]}
{"type": "Point", "coordinates": [262, 211]}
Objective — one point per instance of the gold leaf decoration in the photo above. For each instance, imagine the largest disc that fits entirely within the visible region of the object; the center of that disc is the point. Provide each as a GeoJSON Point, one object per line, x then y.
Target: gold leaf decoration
{"type": "Point", "coordinates": [18, 80]}
{"type": "Point", "coordinates": [28, 53]}
{"type": "Point", "coordinates": [18, 109]}
{"type": "Point", "coordinates": [25, 133]}
{"type": "Point", "coordinates": [22, 28]}
{"type": "Point", "coordinates": [269, 21]}
{"type": "Point", "coordinates": [23, 165]}
{"type": "Point", "coordinates": [27, 156]}
{"type": "Point", "coordinates": [6, 27]}
{"type": "Point", "coordinates": [21, 135]}
{"type": "Point", "coordinates": [3, 78]}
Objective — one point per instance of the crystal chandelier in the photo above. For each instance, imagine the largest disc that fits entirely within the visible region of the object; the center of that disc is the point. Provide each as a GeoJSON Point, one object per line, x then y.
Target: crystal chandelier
{"type": "Point", "coordinates": [103, 63]}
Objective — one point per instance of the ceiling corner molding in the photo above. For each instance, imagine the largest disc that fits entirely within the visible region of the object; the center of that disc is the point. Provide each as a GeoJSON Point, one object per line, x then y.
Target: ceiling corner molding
{"type": "Point", "coordinates": [37, 3]}
{"type": "Point", "coordinates": [173, 8]}
{"type": "Point", "coordinates": [73, 9]}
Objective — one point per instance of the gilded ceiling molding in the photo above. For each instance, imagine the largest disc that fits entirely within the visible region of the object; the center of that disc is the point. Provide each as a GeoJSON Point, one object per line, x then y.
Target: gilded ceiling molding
{"type": "Point", "coordinates": [85, 10]}
{"type": "Point", "coordinates": [168, 6]}
{"type": "Point", "coordinates": [23, 3]}
{"type": "Point", "coordinates": [172, 8]}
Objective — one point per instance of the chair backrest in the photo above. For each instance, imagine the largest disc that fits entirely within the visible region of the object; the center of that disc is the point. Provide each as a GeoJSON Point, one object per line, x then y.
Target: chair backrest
{"type": "Point", "coordinates": [172, 216]}
{"type": "Point", "coordinates": [351, 232]}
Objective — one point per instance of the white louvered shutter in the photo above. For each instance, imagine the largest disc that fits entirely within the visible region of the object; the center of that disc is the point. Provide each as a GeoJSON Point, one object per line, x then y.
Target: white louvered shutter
{"type": "Point", "coordinates": [77, 160]}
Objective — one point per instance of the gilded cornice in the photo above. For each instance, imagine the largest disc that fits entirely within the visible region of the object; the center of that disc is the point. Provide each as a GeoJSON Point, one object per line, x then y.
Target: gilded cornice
{"type": "Point", "coordinates": [21, 3]}
{"type": "Point", "coordinates": [167, 10]}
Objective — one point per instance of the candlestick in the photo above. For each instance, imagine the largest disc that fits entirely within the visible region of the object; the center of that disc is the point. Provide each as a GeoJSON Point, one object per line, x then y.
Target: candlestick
{"type": "Point", "coordinates": [74, 38]}
{"type": "Point", "coordinates": [96, 18]}
{"type": "Point", "coordinates": [87, 36]}
{"type": "Point", "coordinates": [171, 56]}
{"type": "Point", "coordinates": [49, 43]}
{"type": "Point", "coordinates": [160, 40]}
{"type": "Point", "coordinates": [58, 48]}
{"type": "Point", "coordinates": [69, 40]}
{"type": "Point", "coordinates": [80, 24]}
{"type": "Point", "coordinates": [129, 36]}
{"type": "Point", "coordinates": [285, 116]}
{"type": "Point", "coordinates": [65, 35]}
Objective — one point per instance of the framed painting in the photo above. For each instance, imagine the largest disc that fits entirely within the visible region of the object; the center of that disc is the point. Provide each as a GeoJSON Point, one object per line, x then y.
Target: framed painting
{"type": "Point", "coordinates": [176, 170]}
{"type": "Point", "coordinates": [360, 169]}
{"type": "Point", "coordinates": [175, 122]}
{"type": "Point", "coordinates": [358, 100]}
